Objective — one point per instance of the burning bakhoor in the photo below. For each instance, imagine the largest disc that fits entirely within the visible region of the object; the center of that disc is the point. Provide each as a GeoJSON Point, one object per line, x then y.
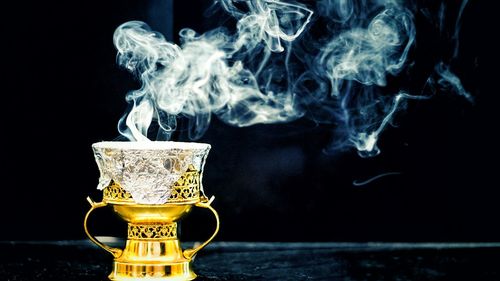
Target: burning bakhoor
{"type": "Point", "coordinates": [151, 185]}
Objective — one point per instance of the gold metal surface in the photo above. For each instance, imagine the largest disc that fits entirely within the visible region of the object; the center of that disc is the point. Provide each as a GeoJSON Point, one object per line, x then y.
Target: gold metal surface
{"type": "Point", "coordinates": [152, 231]}
{"type": "Point", "coordinates": [185, 190]}
{"type": "Point", "coordinates": [152, 250]}
{"type": "Point", "coordinates": [115, 193]}
{"type": "Point", "coordinates": [93, 205]}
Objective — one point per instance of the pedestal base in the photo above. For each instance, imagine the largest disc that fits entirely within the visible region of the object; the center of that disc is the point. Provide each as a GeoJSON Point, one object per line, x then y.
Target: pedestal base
{"type": "Point", "coordinates": [152, 252]}
{"type": "Point", "coordinates": [157, 272]}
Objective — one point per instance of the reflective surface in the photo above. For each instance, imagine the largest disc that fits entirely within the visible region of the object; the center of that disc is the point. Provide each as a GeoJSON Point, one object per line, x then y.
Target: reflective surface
{"type": "Point", "coordinates": [152, 249]}
{"type": "Point", "coordinates": [80, 260]}
{"type": "Point", "coordinates": [151, 213]}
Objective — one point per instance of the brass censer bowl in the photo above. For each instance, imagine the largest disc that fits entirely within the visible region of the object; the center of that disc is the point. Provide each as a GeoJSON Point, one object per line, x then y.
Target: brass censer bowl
{"type": "Point", "coordinates": [151, 185]}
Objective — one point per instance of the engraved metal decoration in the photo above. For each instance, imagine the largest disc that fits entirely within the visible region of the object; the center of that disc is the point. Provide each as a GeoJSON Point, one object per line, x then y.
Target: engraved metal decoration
{"type": "Point", "coordinates": [185, 189]}
{"type": "Point", "coordinates": [152, 231]}
{"type": "Point", "coordinates": [115, 193]}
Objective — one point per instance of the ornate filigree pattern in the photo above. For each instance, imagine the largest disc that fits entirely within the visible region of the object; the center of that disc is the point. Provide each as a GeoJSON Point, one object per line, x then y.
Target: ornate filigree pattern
{"type": "Point", "coordinates": [185, 189]}
{"type": "Point", "coordinates": [114, 192]}
{"type": "Point", "coordinates": [152, 231]}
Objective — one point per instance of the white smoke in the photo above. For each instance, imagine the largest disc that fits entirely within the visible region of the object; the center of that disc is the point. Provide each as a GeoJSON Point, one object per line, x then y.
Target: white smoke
{"type": "Point", "coordinates": [205, 75]}
{"type": "Point", "coordinates": [449, 80]}
{"type": "Point", "coordinates": [368, 55]}
{"type": "Point", "coordinates": [269, 69]}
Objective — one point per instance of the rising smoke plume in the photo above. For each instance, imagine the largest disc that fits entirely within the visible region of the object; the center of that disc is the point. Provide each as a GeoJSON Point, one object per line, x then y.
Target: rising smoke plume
{"type": "Point", "coordinates": [327, 60]}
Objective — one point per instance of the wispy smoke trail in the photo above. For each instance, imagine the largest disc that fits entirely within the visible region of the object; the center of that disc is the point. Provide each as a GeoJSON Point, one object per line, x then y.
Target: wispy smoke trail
{"type": "Point", "coordinates": [365, 55]}
{"type": "Point", "coordinates": [443, 77]}
{"type": "Point", "coordinates": [206, 74]}
{"type": "Point", "coordinates": [280, 62]}
{"type": "Point", "coordinates": [458, 23]}
{"type": "Point", "coordinates": [370, 180]}
{"type": "Point", "coordinates": [449, 80]}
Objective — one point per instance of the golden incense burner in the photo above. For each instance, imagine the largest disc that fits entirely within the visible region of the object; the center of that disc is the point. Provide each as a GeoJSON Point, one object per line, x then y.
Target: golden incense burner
{"type": "Point", "coordinates": [151, 185]}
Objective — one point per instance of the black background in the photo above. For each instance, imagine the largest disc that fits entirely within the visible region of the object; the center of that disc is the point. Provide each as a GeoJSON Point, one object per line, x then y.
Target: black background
{"type": "Point", "coordinates": [62, 91]}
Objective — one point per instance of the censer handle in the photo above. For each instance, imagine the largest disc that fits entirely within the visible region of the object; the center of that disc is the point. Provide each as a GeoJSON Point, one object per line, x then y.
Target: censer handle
{"type": "Point", "coordinates": [114, 251]}
{"type": "Point", "coordinates": [190, 253]}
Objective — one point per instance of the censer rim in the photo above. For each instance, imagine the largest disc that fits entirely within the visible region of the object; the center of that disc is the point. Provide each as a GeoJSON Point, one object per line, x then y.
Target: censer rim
{"type": "Point", "coordinates": [150, 145]}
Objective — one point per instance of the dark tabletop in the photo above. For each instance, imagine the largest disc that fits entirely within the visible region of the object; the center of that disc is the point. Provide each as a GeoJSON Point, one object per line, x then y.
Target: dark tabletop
{"type": "Point", "coordinates": [80, 260]}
